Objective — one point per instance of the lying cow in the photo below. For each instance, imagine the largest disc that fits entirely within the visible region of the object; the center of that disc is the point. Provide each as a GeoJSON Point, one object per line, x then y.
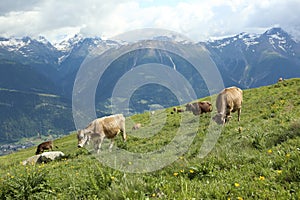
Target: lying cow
{"type": "Point", "coordinates": [200, 107]}
{"type": "Point", "coordinates": [177, 110]}
{"type": "Point", "coordinates": [137, 126]}
{"type": "Point", "coordinates": [105, 127]}
{"type": "Point", "coordinates": [228, 100]}
{"type": "Point", "coordinates": [44, 146]}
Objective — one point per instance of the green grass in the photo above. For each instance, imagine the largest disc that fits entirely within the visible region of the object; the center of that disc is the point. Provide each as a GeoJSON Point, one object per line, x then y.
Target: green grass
{"type": "Point", "coordinates": [256, 158]}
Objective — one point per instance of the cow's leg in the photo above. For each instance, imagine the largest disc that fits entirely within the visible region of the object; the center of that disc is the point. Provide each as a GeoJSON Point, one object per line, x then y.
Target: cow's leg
{"type": "Point", "coordinates": [111, 144]}
{"type": "Point", "coordinates": [123, 132]}
{"type": "Point", "coordinates": [99, 143]}
{"type": "Point", "coordinates": [239, 114]}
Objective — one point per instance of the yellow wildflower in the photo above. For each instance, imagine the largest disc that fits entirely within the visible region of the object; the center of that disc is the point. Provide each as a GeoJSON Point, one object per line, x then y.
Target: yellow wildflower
{"type": "Point", "coordinates": [153, 195]}
{"type": "Point", "coordinates": [240, 198]}
{"type": "Point", "coordinates": [191, 171]}
{"type": "Point", "coordinates": [236, 184]}
{"type": "Point", "coordinates": [279, 171]}
{"type": "Point", "coordinates": [270, 151]}
{"type": "Point", "coordinates": [288, 155]}
{"type": "Point", "coordinates": [175, 174]}
{"type": "Point", "coordinates": [262, 178]}
{"type": "Point", "coordinates": [112, 178]}
{"type": "Point", "coordinates": [182, 170]}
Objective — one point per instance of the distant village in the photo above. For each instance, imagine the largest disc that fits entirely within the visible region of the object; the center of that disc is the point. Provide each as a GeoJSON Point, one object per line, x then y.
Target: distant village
{"type": "Point", "coordinates": [9, 148]}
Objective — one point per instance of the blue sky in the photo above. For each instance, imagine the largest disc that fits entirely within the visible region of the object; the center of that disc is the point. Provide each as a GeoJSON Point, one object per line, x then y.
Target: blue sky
{"type": "Point", "coordinates": [199, 20]}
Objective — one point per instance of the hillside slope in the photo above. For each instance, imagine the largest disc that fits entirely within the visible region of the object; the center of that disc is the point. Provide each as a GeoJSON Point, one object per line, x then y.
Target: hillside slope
{"type": "Point", "coordinates": [256, 158]}
{"type": "Point", "coordinates": [27, 114]}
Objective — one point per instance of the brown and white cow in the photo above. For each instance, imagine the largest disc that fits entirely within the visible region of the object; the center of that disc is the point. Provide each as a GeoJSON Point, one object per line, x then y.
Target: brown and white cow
{"type": "Point", "coordinates": [228, 100]}
{"type": "Point", "coordinates": [136, 126]}
{"type": "Point", "coordinates": [44, 146]}
{"type": "Point", "coordinates": [199, 107]}
{"type": "Point", "coordinates": [105, 127]}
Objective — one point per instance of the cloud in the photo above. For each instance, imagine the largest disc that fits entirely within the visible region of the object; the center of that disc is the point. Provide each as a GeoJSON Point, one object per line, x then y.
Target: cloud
{"type": "Point", "coordinates": [17, 5]}
{"type": "Point", "coordinates": [281, 13]}
{"type": "Point", "coordinates": [198, 20]}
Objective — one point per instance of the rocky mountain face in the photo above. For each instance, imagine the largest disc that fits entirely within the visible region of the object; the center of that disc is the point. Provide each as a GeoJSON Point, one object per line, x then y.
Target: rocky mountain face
{"type": "Point", "coordinates": [252, 60]}
{"type": "Point", "coordinates": [247, 60]}
{"type": "Point", "coordinates": [33, 67]}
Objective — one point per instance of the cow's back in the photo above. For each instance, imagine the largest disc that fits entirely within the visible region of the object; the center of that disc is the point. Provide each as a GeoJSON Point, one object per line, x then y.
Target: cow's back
{"type": "Point", "coordinates": [110, 125]}
{"type": "Point", "coordinates": [233, 97]}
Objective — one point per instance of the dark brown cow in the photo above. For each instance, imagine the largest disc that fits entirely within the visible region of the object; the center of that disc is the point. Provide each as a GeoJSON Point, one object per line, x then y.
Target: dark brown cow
{"type": "Point", "coordinates": [44, 146]}
{"type": "Point", "coordinates": [200, 107]}
{"type": "Point", "coordinates": [228, 100]}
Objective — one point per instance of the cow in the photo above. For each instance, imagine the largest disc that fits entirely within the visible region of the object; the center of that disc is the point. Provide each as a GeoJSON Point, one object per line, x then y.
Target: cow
{"type": "Point", "coordinates": [137, 126]}
{"type": "Point", "coordinates": [100, 128]}
{"type": "Point", "coordinates": [177, 110]}
{"type": "Point", "coordinates": [228, 100]}
{"type": "Point", "coordinates": [44, 146]}
{"type": "Point", "coordinates": [200, 107]}
{"type": "Point", "coordinates": [280, 79]}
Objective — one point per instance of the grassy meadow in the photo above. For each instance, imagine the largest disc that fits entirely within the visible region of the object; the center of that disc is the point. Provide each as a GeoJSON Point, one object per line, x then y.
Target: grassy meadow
{"type": "Point", "coordinates": [256, 158]}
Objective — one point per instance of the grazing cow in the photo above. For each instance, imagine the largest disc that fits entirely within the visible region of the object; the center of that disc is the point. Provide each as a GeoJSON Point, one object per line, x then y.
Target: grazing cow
{"type": "Point", "coordinates": [177, 110]}
{"type": "Point", "coordinates": [44, 146]}
{"type": "Point", "coordinates": [105, 127]}
{"type": "Point", "coordinates": [228, 100]}
{"type": "Point", "coordinates": [199, 107]}
{"type": "Point", "coordinates": [137, 126]}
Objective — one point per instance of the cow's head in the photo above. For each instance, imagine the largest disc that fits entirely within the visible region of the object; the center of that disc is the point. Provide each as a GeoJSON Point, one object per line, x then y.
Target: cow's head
{"type": "Point", "coordinates": [83, 137]}
{"type": "Point", "coordinates": [210, 108]}
{"type": "Point", "coordinates": [219, 118]}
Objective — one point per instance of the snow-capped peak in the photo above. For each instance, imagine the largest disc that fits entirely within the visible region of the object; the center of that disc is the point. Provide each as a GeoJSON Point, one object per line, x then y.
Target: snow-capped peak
{"type": "Point", "coordinates": [42, 39]}
{"type": "Point", "coordinates": [249, 39]}
{"type": "Point", "coordinates": [13, 44]}
{"type": "Point", "coordinates": [68, 43]}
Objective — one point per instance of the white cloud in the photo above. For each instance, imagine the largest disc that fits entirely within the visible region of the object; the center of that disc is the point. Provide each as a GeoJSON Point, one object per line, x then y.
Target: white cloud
{"type": "Point", "coordinates": [196, 19]}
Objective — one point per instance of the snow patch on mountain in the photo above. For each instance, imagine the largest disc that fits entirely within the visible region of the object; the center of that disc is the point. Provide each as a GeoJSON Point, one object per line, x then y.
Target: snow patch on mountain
{"type": "Point", "coordinates": [66, 45]}
{"type": "Point", "coordinates": [12, 44]}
